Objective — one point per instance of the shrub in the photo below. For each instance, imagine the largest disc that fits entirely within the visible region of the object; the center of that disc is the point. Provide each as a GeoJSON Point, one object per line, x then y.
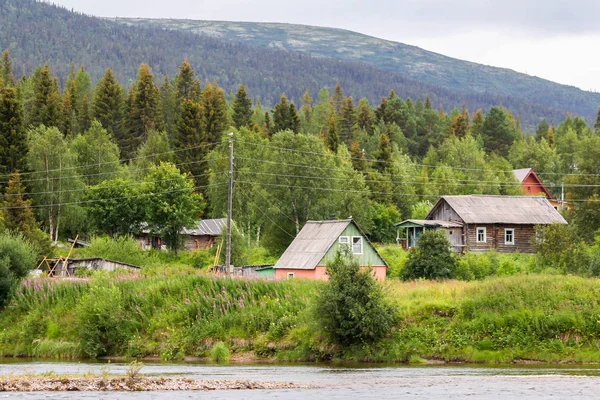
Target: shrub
{"type": "Point", "coordinates": [431, 259]}
{"type": "Point", "coordinates": [17, 257]}
{"type": "Point", "coordinates": [351, 309]}
{"type": "Point", "coordinates": [124, 249]}
{"type": "Point", "coordinates": [220, 353]}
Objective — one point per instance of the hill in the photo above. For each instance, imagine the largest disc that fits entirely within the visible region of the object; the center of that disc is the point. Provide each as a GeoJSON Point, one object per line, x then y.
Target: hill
{"type": "Point", "coordinates": [37, 32]}
{"type": "Point", "coordinates": [410, 61]}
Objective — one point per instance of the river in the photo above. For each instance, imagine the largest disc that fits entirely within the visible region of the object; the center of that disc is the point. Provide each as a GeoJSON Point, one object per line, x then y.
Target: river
{"type": "Point", "coordinates": [340, 382]}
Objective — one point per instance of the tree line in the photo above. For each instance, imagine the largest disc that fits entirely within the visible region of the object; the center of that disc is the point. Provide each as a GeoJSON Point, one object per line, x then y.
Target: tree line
{"type": "Point", "coordinates": [153, 157]}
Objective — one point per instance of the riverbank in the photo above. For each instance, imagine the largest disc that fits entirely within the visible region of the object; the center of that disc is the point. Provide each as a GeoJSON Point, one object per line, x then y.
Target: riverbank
{"type": "Point", "coordinates": [173, 316]}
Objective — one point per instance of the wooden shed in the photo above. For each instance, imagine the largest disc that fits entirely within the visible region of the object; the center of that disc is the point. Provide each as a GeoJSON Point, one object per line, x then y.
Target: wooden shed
{"type": "Point", "coordinates": [533, 185]}
{"type": "Point", "coordinates": [317, 243]}
{"type": "Point", "coordinates": [483, 222]}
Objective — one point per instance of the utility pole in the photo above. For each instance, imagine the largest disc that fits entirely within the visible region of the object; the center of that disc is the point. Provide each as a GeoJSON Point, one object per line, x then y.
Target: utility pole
{"type": "Point", "coordinates": [562, 196]}
{"type": "Point", "coordinates": [229, 206]}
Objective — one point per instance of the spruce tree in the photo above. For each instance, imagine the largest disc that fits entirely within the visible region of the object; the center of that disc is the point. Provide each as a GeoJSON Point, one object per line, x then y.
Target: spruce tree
{"type": "Point", "coordinates": [333, 140]}
{"type": "Point", "coordinates": [281, 115]}
{"type": "Point", "coordinates": [338, 98]}
{"type": "Point", "coordinates": [214, 116]}
{"type": "Point", "coordinates": [167, 106]}
{"type": "Point", "coordinates": [187, 85]}
{"type": "Point", "coordinates": [144, 110]}
{"type": "Point", "coordinates": [242, 108]}
{"type": "Point", "coordinates": [306, 110]}
{"type": "Point", "coordinates": [46, 107]}
{"type": "Point", "coordinates": [17, 213]}
{"type": "Point", "coordinates": [477, 123]}
{"type": "Point", "coordinates": [294, 119]}
{"type": "Point", "coordinates": [13, 146]}
{"type": "Point", "coordinates": [6, 70]}
{"type": "Point", "coordinates": [268, 127]}
{"type": "Point", "coordinates": [359, 161]}
{"type": "Point", "coordinates": [365, 116]}
{"type": "Point", "coordinates": [542, 130]}
{"type": "Point", "coordinates": [69, 116]}
{"type": "Point", "coordinates": [188, 138]}
{"type": "Point", "coordinates": [348, 121]}
{"type": "Point", "coordinates": [85, 116]}
{"type": "Point", "coordinates": [597, 124]}
{"type": "Point", "coordinates": [109, 105]}
{"type": "Point", "coordinates": [384, 153]}
{"type": "Point", "coordinates": [428, 105]}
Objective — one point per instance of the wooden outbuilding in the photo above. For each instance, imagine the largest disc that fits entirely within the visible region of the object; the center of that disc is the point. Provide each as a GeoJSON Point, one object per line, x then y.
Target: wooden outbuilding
{"type": "Point", "coordinates": [483, 222]}
{"type": "Point", "coordinates": [532, 185]}
{"type": "Point", "coordinates": [317, 243]}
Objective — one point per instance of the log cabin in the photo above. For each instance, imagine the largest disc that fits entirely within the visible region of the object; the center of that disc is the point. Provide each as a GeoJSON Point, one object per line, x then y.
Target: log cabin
{"type": "Point", "coordinates": [506, 224]}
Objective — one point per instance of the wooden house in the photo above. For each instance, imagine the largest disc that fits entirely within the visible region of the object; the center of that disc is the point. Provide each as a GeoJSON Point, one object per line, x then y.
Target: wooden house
{"type": "Point", "coordinates": [482, 222]}
{"type": "Point", "coordinates": [317, 243]}
{"type": "Point", "coordinates": [533, 185]}
{"type": "Point", "coordinates": [202, 236]}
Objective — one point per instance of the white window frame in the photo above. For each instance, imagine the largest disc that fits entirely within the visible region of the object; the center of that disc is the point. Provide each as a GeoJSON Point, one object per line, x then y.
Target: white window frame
{"type": "Point", "coordinates": [512, 231]}
{"type": "Point", "coordinates": [344, 240]}
{"type": "Point", "coordinates": [290, 275]}
{"type": "Point", "coordinates": [481, 229]}
{"type": "Point", "coordinates": [361, 244]}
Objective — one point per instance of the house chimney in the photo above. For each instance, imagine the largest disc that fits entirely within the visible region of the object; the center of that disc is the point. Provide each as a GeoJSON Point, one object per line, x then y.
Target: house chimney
{"type": "Point", "coordinates": [333, 218]}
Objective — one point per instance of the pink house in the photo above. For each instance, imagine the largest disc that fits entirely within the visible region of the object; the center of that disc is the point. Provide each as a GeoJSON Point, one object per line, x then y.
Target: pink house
{"type": "Point", "coordinates": [318, 241]}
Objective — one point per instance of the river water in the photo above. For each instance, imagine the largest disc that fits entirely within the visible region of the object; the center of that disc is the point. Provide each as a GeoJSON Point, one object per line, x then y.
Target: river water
{"type": "Point", "coordinates": [341, 382]}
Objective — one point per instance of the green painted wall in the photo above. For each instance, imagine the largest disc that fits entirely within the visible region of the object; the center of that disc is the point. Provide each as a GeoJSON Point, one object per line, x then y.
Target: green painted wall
{"type": "Point", "coordinates": [266, 273]}
{"type": "Point", "coordinates": [368, 257]}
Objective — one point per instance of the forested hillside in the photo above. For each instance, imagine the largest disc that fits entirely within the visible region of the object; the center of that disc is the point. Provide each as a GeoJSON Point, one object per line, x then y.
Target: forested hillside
{"type": "Point", "coordinates": [36, 33]}
{"type": "Point", "coordinates": [102, 159]}
{"type": "Point", "coordinates": [410, 61]}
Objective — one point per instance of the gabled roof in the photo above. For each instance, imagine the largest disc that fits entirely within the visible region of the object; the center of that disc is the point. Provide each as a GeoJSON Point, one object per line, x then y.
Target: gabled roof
{"type": "Point", "coordinates": [524, 173]}
{"type": "Point", "coordinates": [207, 227]}
{"type": "Point", "coordinates": [485, 209]}
{"type": "Point", "coordinates": [311, 244]}
{"type": "Point", "coordinates": [434, 223]}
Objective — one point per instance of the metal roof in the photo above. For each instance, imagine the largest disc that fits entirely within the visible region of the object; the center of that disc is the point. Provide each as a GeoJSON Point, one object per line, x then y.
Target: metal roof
{"type": "Point", "coordinates": [482, 209]}
{"type": "Point", "coordinates": [311, 244]}
{"type": "Point", "coordinates": [430, 222]}
{"type": "Point", "coordinates": [207, 227]}
{"type": "Point", "coordinates": [521, 174]}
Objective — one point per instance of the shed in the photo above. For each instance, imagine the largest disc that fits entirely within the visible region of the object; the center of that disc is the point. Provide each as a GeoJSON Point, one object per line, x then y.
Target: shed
{"type": "Point", "coordinates": [204, 234]}
{"type": "Point", "coordinates": [70, 266]}
{"type": "Point", "coordinates": [533, 185]}
{"type": "Point", "coordinates": [317, 243]}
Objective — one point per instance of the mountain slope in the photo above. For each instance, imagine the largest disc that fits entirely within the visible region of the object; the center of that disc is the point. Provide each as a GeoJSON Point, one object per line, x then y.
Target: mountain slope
{"type": "Point", "coordinates": [37, 32]}
{"type": "Point", "coordinates": [410, 61]}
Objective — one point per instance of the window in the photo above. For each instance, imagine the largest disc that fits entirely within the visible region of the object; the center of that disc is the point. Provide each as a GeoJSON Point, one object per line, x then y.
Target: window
{"type": "Point", "coordinates": [481, 237]}
{"type": "Point", "coordinates": [509, 236]}
{"type": "Point", "coordinates": [290, 275]}
{"type": "Point", "coordinates": [344, 240]}
{"type": "Point", "coordinates": [357, 245]}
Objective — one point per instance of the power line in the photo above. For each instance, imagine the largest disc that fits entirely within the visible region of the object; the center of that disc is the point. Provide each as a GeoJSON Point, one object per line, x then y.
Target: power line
{"type": "Point", "coordinates": [269, 218]}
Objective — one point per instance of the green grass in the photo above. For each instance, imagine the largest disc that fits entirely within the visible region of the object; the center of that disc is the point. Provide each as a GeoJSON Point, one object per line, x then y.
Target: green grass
{"type": "Point", "coordinates": [180, 313]}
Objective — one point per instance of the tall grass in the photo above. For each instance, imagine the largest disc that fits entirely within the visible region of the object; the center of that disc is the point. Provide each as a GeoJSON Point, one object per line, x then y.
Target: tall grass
{"type": "Point", "coordinates": [501, 319]}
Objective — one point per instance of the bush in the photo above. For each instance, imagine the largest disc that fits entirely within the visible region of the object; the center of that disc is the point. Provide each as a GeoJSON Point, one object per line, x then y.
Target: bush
{"type": "Point", "coordinates": [431, 259]}
{"type": "Point", "coordinates": [352, 309]}
{"type": "Point", "coordinates": [124, 249]}
{"type": "Point", "coordinates": [17, 257]}
{"type": "Point", "coordinates": [220, 353]}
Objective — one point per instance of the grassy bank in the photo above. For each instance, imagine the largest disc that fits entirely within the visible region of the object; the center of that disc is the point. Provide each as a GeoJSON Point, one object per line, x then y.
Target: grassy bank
{"type": "Point", "coordinates": [522, 317]}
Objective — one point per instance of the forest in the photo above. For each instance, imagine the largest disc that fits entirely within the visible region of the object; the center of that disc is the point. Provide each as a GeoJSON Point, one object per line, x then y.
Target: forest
{"type": "Point", "coordinates": [36, 32]}
{"type": "Point", "coordinates": [105, 160]}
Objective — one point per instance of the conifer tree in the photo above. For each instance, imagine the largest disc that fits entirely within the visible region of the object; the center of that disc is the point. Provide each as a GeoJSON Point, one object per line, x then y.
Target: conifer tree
{"type": "Point", "coordinates": [551, 136]}
{"type": "Point", "coordinates": [83, 87]}
{"type": "Point", "coordinates": [69, 116]}
{"type": "Point", "coordinates": [384, 152]}
{"type": "Point", "coordinates": [268, 127]}
{"type": "Point", "coordinates": [242, 108]}
{"type": "Point", "coordinates": [477, 123]}
{"type": "Point", "coordinates": [214, 115]}
{"type": "Point", "coordinates": [17, 213]}
{"type": "Point", "coordinates": [359, 161]}
{"type": "Point", "coordinates": [597, 124]}
{"type": "Point", "coordinates": [46, 107]}
{"type": "Point", "coordinates": [542, 130]}
{"type": "Point", "coordinates": [6, 69]}
{"type": "Point", "coordinates": [109, 105]}
{"type": "Point", "coordinates": [144, 111]}
{"type": "Point", "coordinates": [187, 86]}
{"type": "Point", "coordinates": [333, 140]}
{"type": "Point", "coordinates": [306, 111]}
{"type": "Point", "coordinates": [338, 98]}
{"type": "Point", "coordinates": [381, 111]}
{"type": "Point", "coordinates": [85, 116]}
{"type": "Point", "coordinates": [13, 146]}
{"type": "Point", "coordinates": [428, 105]}
{"type": "Point", "coordinates": [459, 126]}
{"type": "Point", "coordinates": [281, 115]}
{"type": "Point", "coordinates": [294, 124]}
{"type": "Point", "coordinates": [188, 139]}
{"type": "Point", "coordinates": [365, 116]}
{"type": "Point", "coordinates": [167, 106]}
{"type": "Point", "coordinates": [348, 121]}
